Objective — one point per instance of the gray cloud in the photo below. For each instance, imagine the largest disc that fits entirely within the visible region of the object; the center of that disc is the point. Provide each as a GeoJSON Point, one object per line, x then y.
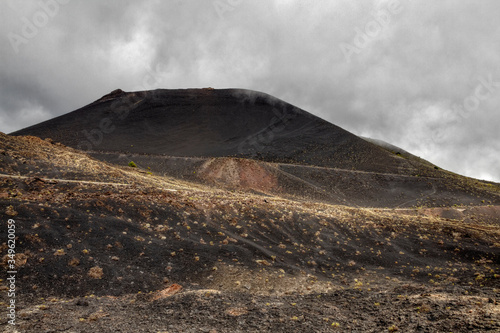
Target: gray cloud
{"type": "Point", "coordinates": [412, 71]}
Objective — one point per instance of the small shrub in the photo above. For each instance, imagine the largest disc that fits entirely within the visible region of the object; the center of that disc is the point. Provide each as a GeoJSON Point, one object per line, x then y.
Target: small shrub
{"type": "Point", "coordinates": [59, 252]}
{"type": "Point", "coordinates": [95, 272]}
{"type": "Point", "coordinates": [132, 164]}
{"type": "Point", "coordinates": [74, 262]}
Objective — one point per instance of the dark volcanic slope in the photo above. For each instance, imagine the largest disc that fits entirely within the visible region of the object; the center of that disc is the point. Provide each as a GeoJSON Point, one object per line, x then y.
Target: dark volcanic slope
{"type": "Point", "coordinates": [214, 123]}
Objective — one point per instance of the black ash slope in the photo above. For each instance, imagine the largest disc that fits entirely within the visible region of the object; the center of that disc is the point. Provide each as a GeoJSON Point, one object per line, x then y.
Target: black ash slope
{"type": "Point", "coordinates": [213, 123]}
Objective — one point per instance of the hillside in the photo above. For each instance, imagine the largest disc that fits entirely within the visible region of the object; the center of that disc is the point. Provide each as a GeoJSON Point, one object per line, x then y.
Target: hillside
{"type": "Point", "coordinates": [107, 247]}
{"type": "Point", "coordinates": [320, 184]}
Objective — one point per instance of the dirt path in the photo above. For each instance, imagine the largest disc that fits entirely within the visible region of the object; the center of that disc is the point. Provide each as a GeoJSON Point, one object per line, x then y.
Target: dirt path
{"type": "Point", "coordinates": [57, 180]}
{"type": "Point", "coordinates": [64, 180]}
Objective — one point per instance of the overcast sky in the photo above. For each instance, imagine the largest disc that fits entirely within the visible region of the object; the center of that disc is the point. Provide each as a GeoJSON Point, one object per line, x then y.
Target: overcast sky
{"type": "Point", "coordinates": [419, 74]}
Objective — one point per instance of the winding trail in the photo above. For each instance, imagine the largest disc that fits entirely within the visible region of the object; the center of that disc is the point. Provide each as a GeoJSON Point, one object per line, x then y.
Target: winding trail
{"type": "Point", "coordinates": [57, 180]}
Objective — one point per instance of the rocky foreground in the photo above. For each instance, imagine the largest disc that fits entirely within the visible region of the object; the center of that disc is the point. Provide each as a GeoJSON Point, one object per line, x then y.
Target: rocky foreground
{"type": "Point", "coordinates": [109, 248]}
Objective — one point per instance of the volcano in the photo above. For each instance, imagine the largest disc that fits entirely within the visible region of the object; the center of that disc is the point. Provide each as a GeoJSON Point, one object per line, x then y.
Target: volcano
{"type": "Point", "coordinates": [231, 210]}
{"type": "Point", "coordinates": [214, 123]}
{"type": "Point", "coordinates": [178, 132]}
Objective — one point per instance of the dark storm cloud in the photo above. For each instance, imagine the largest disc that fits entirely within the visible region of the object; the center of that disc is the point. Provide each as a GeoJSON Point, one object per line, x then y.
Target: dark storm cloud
{"type": "Point", "coordinates": [407, 72]}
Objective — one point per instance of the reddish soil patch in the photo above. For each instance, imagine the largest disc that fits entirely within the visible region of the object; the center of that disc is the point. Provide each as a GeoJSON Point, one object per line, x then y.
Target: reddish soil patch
{"type": "Point", "coordinates": [240, 173]}
{"type": "Point", "coordinates": [167, 292]}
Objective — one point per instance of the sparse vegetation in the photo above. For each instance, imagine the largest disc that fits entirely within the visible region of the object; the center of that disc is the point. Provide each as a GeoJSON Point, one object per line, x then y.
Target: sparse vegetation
{"type": "Point", "coordinates": [95, 272]}
{"type": "Point", "coordinates": [132, 164]}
